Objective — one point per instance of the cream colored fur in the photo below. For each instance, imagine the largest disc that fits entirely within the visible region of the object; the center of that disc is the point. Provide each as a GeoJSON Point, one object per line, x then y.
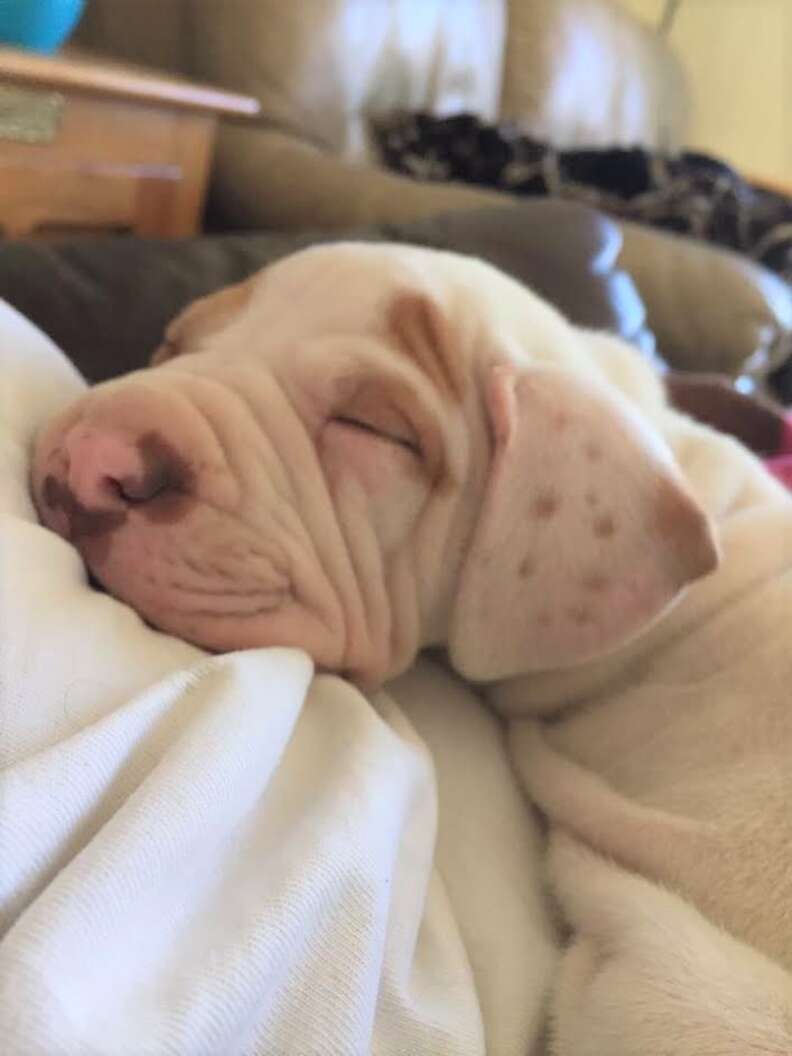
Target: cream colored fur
{"type": "Point", "coordinates": [668, 768]}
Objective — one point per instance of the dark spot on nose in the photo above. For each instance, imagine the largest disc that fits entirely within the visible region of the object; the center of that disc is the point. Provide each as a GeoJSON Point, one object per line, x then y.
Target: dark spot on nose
{"type": "Point", "coordinates": [545, 504]}
{"type": "Point", "coordinates": [145, 488]}
{"type": "Point", "coordinates": [81, 523]}
{"type": "Point", "coordinates": [592, 499]}
{"type": "Point", "coordinates": [166, 488]}
{"type": "Point", "coordinates": [96, 584]}
{"type": "Point", "coordinates": [593, 452]}
{"type": "Point", "coordinates": [544, 618]}
{"type": "Point", "coordinates": [604, 526]}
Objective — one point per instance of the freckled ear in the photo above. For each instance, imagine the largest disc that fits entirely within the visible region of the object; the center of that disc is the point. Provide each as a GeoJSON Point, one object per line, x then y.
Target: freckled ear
{"type": "Point", "coordinates": [200, 320]}
{"type": "Point", "coordinates": [586, 533]}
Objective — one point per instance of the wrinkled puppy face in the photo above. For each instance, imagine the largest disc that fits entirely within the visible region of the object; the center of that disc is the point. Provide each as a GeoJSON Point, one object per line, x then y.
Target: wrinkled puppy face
{"type": "Point", "coordinates": [368, 449]}
{"type": "Point", "coordinates": [263, 484]}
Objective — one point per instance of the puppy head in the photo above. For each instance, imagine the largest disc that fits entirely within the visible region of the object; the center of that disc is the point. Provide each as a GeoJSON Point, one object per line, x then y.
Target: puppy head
{"type": "Point", "coordinates": [368, 449]}
{"type": "Point", "coordinates": [272, 480]}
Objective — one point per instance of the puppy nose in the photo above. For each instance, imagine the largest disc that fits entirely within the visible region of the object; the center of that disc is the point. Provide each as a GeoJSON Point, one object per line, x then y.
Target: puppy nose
{"type": "Point", "coordinates": [110, 470]}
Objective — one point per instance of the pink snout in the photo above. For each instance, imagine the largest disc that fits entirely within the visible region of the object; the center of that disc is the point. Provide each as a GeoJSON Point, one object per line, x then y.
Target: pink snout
{"type": "Point", "coordinates": [97, 473]}
{"type": "Point", "coordinates": [176, 501]}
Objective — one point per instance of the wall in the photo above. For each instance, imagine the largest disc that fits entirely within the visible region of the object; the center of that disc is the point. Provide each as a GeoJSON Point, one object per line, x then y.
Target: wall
{"type": "Point", "coordinates": [738, 54]}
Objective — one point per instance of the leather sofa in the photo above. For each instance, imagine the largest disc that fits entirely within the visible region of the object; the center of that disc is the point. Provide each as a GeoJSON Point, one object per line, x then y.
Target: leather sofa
{"type": "Point", "coordinates": [575, 72]}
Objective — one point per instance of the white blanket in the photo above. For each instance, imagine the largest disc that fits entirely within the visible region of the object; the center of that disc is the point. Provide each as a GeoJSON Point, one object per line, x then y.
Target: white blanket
{"type": "Point", "coordinates": [209, 856]}
{"type": "Point", "coordinates": [220, 855]}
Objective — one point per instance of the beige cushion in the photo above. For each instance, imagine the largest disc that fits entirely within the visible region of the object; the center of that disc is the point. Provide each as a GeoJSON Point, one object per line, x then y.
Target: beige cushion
{"type": "Point", "coordinates": [323, 68]}
{"type": "Point", "coordinates": [711, 309]}
{"type": "Point", "coordinates": [586, 73]}
{"type": "Point", "coordinates": [575, 72]}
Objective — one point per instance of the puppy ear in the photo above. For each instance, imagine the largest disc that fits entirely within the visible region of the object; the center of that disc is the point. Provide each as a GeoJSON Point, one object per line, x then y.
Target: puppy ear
{"type": "Point", "coordinates": [586, 533]}
{"type": "Point", "coordinates": [201, 319]}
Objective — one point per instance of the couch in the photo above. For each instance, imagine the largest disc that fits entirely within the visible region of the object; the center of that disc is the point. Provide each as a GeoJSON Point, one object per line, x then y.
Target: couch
{"type": "Point", "coordinates": [106, 301]}
{"type": "Point", "coordinates": [575, 72]}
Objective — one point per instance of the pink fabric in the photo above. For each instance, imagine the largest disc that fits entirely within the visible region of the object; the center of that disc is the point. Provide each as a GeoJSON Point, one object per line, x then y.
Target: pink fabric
{"type": "Point", "coordinates": [780, 465]}
{"type": "Point", "coordinates": [786, 437]}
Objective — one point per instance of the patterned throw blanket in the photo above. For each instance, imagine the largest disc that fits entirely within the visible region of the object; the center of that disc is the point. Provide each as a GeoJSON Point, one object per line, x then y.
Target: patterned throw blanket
{"type": "Point", "coordinates": [691, 194]}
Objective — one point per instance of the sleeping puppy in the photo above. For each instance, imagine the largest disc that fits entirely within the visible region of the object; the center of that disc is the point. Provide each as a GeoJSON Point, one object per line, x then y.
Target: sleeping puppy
{"type": "Point", "coordinates": [366, 450]}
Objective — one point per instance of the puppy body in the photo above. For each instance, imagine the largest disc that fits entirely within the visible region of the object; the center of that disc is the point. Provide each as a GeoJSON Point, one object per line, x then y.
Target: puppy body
{"type": "Point", "coordinates": [367, 450]}
{"type": "Point", "coordinates": [671, 760]}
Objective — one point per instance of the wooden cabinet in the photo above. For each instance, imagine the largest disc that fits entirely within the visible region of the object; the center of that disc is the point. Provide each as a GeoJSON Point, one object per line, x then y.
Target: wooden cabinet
{"type": "Point", "coordinates": [91, 145]}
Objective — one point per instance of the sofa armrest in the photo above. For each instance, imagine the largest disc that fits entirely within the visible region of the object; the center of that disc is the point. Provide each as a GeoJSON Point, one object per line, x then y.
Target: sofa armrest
{"type": "Point", "coordinates": [711, 310]}
{"type": "Point", "coordinates": [272, 180]}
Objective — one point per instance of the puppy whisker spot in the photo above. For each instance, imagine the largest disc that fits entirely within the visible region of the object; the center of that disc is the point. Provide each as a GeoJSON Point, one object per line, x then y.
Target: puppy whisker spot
{"type": "Point", "coordinates": [545, 505]}
{"type": "Point", "coordinates": [604, 527]}
{"type": "Point", "coordinates": [595, 582]}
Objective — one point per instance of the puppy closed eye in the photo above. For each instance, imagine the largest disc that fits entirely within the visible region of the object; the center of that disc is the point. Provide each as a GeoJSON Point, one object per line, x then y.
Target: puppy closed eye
{"type": "Point", "coordinates": [395, 432]}
{"type": "Point", "coordinates": [375, 411]}
{"type": "Point", "coordinates": [370, 450]}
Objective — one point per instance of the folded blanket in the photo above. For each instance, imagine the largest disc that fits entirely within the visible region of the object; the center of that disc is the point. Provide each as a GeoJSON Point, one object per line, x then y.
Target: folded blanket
{"type": "Point", "coordinates": [204, 855]}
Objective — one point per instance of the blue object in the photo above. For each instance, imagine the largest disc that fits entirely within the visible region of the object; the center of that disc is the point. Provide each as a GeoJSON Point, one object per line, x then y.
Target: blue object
{"type": "Point", "coordinates": [40, 25]}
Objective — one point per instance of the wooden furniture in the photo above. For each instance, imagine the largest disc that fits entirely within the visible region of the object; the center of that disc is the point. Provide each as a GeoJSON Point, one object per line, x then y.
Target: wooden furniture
{"type": "Point", "coordinates": [91, 145]}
